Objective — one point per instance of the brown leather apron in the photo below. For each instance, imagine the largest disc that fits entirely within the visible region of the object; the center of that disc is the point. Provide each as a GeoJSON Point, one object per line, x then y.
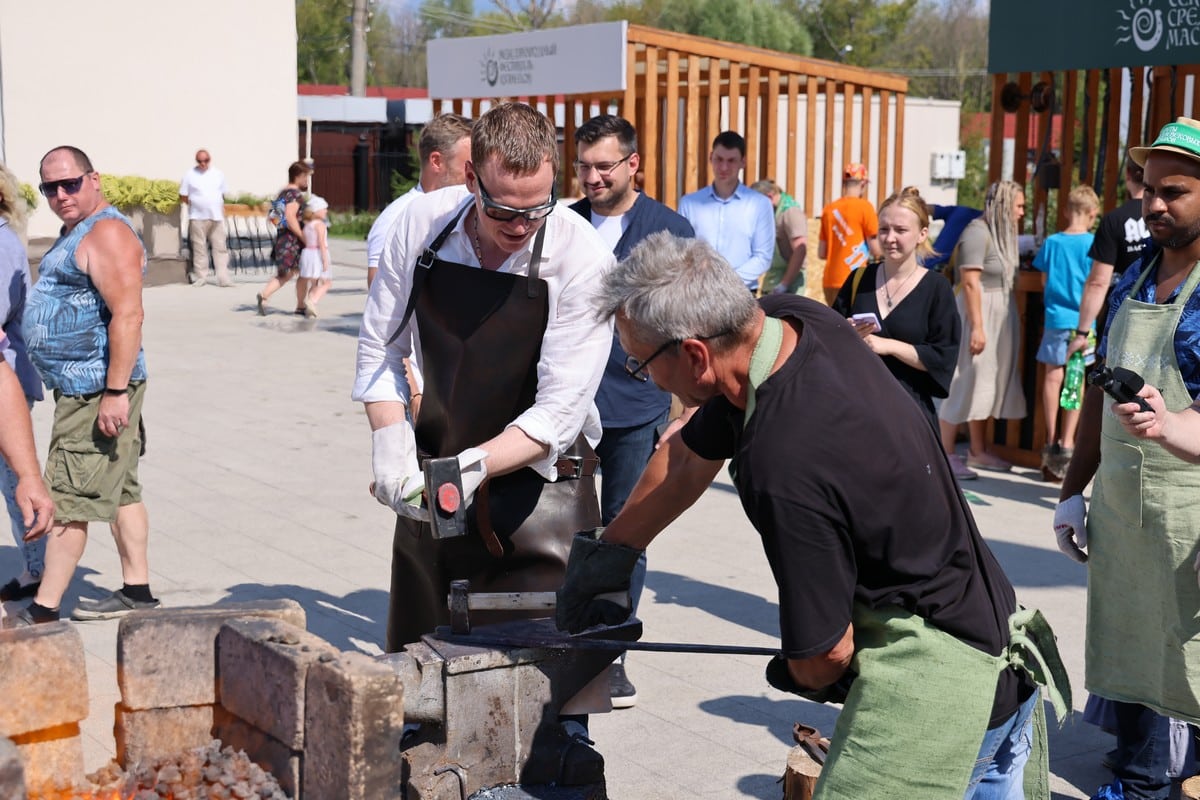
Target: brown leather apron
{"type": "Point", "coordinates": [481, 337]}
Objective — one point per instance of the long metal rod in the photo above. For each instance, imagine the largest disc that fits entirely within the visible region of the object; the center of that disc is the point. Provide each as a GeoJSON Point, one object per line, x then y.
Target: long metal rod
{"type": "Point", "coordinates": [485, 640]}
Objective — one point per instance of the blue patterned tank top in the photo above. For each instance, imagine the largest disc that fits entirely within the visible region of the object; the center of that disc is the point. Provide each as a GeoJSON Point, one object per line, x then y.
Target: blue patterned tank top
{"type": "Point", "coordinates": [66, 320]}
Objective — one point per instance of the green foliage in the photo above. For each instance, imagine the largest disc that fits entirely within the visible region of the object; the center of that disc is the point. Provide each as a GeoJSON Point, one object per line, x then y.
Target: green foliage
{"type": "Point", "coordinates": [129, 191]}
{"type": "Point", "coordinates": [248, 199]}
{"type": "Point", "coordinates": [870, 28]}
{"type": "Point", "coordinates": [757, 23]}
{"type": "Point", "coordinates": [351, 224]}
{"type": "Point", "coordinates": [30, 195]}
{"type": "Point", "coordinates": [398, 184]}
{"type": "Point", "coordinates": [973, 187]}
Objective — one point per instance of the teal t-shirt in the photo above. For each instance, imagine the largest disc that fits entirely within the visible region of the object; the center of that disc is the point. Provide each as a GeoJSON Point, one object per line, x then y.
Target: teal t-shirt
{"type": "Point", "coordinates": [1064, 259]}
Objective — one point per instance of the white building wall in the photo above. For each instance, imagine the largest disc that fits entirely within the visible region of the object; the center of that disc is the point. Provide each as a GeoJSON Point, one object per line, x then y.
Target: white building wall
{"type": "Point", "coordinates": [140, 85]}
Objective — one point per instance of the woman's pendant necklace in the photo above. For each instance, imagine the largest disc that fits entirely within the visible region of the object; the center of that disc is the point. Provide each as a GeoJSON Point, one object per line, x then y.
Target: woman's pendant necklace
{"type": "Point", "coordinates": [891, 303]}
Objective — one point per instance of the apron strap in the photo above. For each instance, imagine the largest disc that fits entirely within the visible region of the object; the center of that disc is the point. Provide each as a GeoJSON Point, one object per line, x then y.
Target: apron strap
{"type": "Point", "coordinates": [422, 270]}
{"type": "Point", "coordinates": [533, 286]}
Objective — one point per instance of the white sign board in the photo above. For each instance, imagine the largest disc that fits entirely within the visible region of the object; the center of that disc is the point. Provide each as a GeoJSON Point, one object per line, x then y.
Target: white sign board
{"type": "Point", "coordinates": [572, 60]}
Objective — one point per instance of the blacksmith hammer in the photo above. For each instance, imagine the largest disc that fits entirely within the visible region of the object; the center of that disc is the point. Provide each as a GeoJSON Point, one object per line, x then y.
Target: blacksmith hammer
{"type": "Point", "coordinates": [444, 497]}
{"type": "Point", "coordinates": [461, 601]}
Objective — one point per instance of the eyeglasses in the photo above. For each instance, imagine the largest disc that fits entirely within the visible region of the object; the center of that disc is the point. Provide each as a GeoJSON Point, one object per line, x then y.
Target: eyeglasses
{"type": "Point", "coordinates": [202, 160]}
{"type": "Point", "coordinates": [49, 189]}
{"type": "Point", "coordinates": [637, 369]}
{"type": "Point", "coordinates": [603, 169]}
{"type": "Point", "coordinates": [503, 213]}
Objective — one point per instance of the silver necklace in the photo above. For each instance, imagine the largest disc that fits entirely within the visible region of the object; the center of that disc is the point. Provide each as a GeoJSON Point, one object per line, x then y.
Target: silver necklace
{"type": "Point", "coordinates": [888, 294]}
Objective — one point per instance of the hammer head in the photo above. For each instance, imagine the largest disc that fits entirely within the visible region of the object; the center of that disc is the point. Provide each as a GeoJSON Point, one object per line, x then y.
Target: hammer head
{"type": "Point", "coordinates": [444, 495]}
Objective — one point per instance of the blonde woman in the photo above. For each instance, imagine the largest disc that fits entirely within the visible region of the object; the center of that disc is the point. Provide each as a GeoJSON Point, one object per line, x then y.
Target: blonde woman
{"type": "Point", "coordinates": [986, 383]}
{"type": "Point", "coordinates": [919, 327]}
{"type": "Point", "coordinates": [14, 286]}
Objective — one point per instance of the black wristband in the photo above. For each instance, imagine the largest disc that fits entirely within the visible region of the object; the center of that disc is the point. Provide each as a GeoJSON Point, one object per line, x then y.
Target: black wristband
{"type": "Point", "coordinates": [1082, 332]}
{"type": "Point", "coordinates": [115, 392]}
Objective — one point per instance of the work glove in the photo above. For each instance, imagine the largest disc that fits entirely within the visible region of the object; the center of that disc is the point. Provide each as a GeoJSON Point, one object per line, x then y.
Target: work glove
{"type": "Point", "coordinates": [1069, 528]}
{"type": "Point", "coordinates": [780, 677]}
{"type": "Point", "coordinates": [398, 479]}
{"type": "Point", "coordinates": [474, 471]}
{"type": "Point", "coordinates": [593, 568]}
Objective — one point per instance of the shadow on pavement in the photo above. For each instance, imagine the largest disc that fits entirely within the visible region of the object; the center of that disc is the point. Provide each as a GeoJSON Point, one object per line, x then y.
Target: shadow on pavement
{"type": "Point", "coordinates": [335, 619]}
{"type": "Point", "coordinates": [734, 605]}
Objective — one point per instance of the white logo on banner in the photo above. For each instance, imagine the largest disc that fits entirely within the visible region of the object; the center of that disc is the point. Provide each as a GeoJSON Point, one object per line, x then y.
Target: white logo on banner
{"type": "Point", "coordinates": [1150, 28]}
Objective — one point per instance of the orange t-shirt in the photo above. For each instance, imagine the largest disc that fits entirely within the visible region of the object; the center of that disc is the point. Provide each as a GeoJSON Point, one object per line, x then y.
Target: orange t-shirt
{"type": "Point", "coordinates": [846, 224]}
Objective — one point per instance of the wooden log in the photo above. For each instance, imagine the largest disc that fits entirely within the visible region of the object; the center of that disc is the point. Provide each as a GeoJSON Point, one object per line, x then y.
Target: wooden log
{"type": "Point", "coordinates": [1190, 790]}
{"type": "Point", "coordinates": [800, 779]}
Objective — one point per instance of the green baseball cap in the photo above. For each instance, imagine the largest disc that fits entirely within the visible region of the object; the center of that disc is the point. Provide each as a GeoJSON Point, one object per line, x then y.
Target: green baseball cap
{"type": "Point", "coordinates": [1181, 137]}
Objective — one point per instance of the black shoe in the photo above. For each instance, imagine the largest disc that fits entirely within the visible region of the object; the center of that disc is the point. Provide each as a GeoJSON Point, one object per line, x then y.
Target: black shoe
{"type": "Point", "coordinates": [115, 605]}
{"type": "Point", "coordinates": [624, 693]}
{"type": "Point", "coordinates": [13, 590]}
{"type": "Point", "coordinates": [24, 619]}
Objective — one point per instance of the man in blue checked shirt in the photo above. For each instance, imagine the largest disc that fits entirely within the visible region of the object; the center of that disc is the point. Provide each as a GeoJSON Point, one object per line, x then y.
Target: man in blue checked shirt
{"type": "Point", "coordinates": [734, 219]}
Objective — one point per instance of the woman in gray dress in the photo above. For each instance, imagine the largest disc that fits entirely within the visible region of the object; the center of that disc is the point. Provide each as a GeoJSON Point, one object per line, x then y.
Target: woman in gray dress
{"type": "Point", "coordinates": [985, 383]}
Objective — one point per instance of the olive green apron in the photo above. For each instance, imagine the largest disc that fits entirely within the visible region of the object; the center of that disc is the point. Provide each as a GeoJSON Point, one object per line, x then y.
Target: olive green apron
{"type": "Point", "coordinates": [894, 737]}
{"type": "Point", "coordinates": [1143, 601]}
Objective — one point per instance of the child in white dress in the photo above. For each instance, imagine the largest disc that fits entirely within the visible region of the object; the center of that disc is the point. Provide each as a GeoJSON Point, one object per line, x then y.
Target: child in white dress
{"type": "Point", "coordinates": [315, 275]}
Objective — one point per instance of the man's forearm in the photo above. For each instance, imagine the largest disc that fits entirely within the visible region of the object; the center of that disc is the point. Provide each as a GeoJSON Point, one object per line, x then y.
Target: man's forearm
{"type": "Point", "coordinates": [16, 434]}
{"type": "Point", "coordinates": [1181, 434]}
{"type": "Point", "coordinates": [795, 265]}
{"type": "Point", "coordinates": [124, 342]}
{"type": "Point", "coordinates": [512, 450]}
{"type": "Point", "coordinates": [673, 480]}
{"type": "Point", "coordinates": [1086, 458]}
{"type": "Point", "coordinates": [382, 413]}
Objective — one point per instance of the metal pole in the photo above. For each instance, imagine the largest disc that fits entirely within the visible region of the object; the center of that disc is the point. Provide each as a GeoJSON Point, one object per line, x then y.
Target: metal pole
{"type": "Point", "coordinates": [358, 50]}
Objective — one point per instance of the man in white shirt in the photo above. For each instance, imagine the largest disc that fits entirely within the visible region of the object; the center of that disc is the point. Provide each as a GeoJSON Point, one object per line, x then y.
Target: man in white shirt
{"type": "Point", "coordinates": [490, 289]}
{"type": "Point", "coordinates": [445, 149]}
{"type": "Point", "coordinates": [736, 220]}
{"type": "Point", "coordinates": [202, 191]}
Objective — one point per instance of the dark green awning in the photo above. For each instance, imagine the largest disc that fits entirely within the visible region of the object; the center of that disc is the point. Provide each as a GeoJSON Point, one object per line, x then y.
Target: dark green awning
{"type": "Point", "coordinates": [1036, 35]}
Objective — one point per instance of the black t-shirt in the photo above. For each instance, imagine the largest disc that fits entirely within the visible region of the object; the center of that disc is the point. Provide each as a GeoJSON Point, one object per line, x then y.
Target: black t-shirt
{"type": "Point", "coordinates": [847, 484]}
{"type": "Point", "coordinates": [1120, 237]}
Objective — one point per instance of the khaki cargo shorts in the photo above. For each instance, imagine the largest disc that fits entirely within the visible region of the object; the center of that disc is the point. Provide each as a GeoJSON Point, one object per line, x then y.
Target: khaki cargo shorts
{"type": "Point", "coordinates": [89, 474]}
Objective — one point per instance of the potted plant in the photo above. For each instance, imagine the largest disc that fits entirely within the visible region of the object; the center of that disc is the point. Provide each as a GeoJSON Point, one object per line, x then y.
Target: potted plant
{"type": "Point", "coordinates": [152, 206]}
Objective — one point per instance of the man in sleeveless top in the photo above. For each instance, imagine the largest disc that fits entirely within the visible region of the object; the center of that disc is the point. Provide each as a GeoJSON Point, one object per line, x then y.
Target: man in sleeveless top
{"type": "Point", "coordinates": [83, 325]}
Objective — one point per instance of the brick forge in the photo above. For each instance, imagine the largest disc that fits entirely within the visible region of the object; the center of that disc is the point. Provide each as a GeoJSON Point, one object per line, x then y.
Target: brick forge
{"type": "Point", "coordinates": [249, 674]}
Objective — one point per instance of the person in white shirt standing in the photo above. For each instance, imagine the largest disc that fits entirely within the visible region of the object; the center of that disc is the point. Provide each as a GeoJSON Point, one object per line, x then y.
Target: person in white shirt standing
{"type": "Point", "coordinates": [203, 191]}
{"type": "Point", "coordinates": [445, 149]}
{"type": "Point", "coordinates": [736, 220]}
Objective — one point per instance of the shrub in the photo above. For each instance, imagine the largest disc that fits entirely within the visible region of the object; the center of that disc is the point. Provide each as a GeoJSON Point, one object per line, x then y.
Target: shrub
{"type": "Point", "coordinates": [129, 191]}
{"type": "Point", "coordinates": [30, 195]}
{"type": "Point", "coordinates": [351, 224]}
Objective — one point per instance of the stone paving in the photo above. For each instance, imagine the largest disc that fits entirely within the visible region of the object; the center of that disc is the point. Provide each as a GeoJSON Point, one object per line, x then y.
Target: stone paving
{"type": "Point", "coordinates": [256, 483]}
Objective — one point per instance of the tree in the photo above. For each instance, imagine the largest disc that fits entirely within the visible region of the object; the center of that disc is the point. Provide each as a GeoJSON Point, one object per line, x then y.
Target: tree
{"type": "Point", "coordinates": [944, 51]}
{"type": "Point", "coordinates": [323, 41]}
{"type": "Point", "coordinates": [860, 32]}
{"type": "Point", "coordinates": [757, 23]}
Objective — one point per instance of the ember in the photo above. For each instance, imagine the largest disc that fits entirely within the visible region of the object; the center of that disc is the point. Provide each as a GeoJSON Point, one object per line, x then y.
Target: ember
{"type": "Point", "coordinates": [203, 773]}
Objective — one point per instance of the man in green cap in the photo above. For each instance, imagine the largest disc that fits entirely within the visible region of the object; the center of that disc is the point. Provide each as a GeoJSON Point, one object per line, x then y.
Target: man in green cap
{"type": "Point", "coordinates": [1140, 539]}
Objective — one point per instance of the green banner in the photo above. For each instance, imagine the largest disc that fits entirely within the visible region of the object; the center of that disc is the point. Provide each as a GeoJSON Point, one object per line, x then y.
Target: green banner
{"type": "Point", "coordinates": [1052, 35]}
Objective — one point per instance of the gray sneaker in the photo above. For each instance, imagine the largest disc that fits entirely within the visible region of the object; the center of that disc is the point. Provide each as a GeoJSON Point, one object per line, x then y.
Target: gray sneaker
{"type": "Point", "coordinates": [111, 607]}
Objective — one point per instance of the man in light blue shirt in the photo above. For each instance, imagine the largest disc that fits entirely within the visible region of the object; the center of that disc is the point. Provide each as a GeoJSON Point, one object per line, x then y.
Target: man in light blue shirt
{"type": "Point", "coordinates": [734, 219]}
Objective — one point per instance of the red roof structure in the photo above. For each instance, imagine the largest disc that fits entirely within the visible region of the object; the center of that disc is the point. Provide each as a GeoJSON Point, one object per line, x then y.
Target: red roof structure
{"type": "Point", "coordinates": [389, 92]}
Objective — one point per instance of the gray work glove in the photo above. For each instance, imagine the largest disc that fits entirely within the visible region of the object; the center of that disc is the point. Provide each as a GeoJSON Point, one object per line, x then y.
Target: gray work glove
{"type": "Point", "coordinates": [594, 567]}
{"type": "Point", "coordinates": [1070, 529]}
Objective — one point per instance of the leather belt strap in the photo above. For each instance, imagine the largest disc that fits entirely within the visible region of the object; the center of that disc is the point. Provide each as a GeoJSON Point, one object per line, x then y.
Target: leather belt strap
{"type": "Point", "coordinates": [576, 467]}
{"type": "Point", "coordinates": [483, 517]}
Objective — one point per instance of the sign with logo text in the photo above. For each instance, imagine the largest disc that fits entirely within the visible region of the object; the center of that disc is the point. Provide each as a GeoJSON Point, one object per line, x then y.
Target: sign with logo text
{"type": "Point", "coordinates": [1036, 35]}
{"type": "Point", "coordinates": [572, 60]}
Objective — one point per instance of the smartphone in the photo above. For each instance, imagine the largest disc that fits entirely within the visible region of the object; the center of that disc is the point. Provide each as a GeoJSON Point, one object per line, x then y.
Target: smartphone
{"type": "Point", "coordinates": [868, 317]}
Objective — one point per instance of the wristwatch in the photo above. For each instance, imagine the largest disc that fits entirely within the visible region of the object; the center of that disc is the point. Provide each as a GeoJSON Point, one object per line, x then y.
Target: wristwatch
{"type": "Point", "coordinates": [116, 392]}
{"type": "Point", "coordinates": [1082, 332]}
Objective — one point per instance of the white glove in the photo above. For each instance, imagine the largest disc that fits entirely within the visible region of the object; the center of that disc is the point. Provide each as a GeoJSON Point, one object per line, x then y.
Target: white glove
{"type": "Point", "coordinates": [398, 479]}
{"type": "Point", "coordinates": [1069, 528]}
{"type": "Point", "coordinates": [780, 289]}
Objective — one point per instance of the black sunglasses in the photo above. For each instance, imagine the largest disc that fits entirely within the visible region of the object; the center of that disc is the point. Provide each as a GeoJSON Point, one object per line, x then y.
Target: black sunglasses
{"type": "Point", "coordinates": [637, 369]}
{"type": "Point", "coordinates": [49, 189]}
{"type": "Point", "coordinates": [503, 213]}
